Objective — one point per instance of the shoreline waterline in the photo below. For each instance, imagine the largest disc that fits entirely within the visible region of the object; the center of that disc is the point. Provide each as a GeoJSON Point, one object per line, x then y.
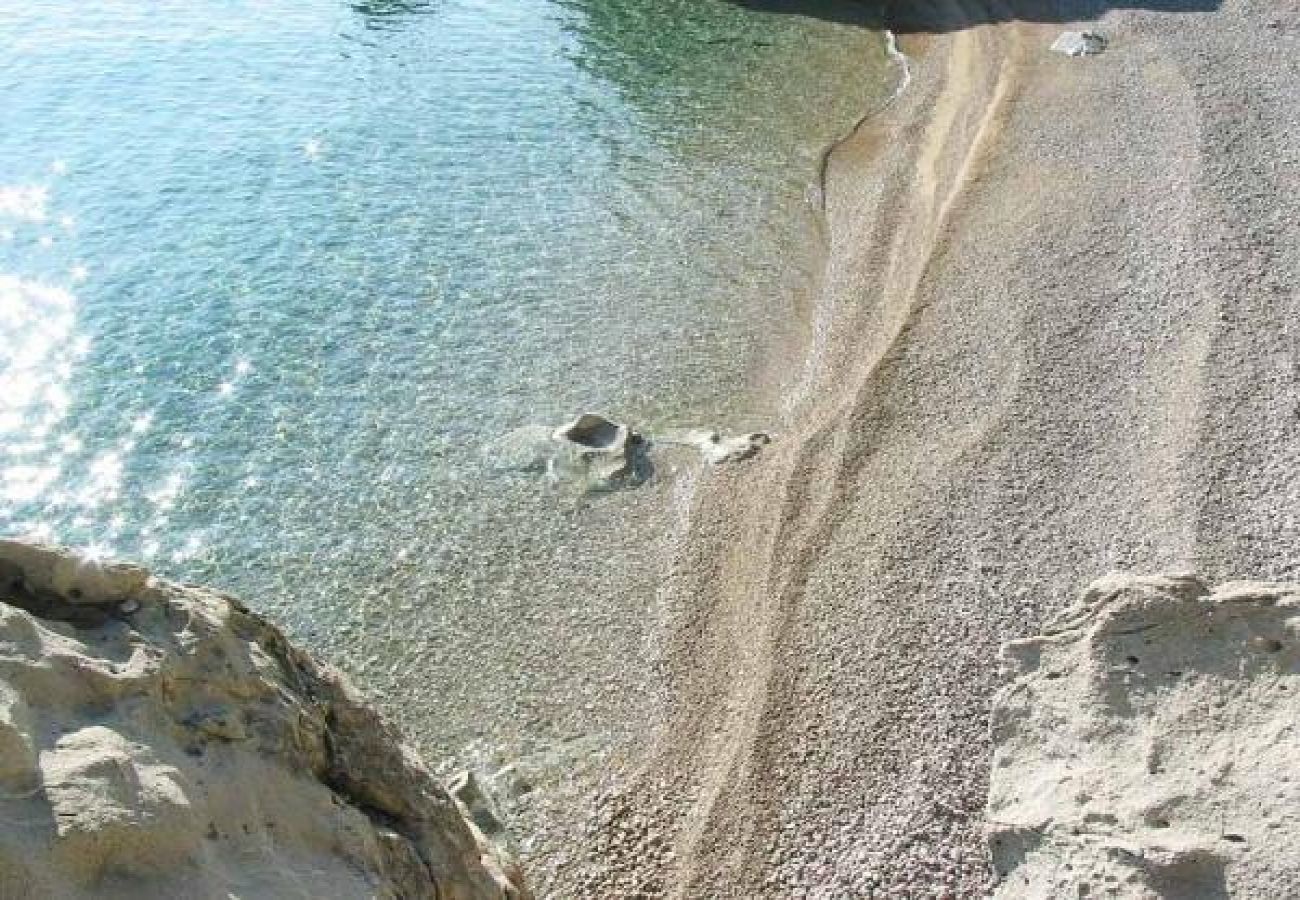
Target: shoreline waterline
{"type": "Point", "coordinates": [302, 384]}
{"type": "Point", "coordinates": [796, 393]}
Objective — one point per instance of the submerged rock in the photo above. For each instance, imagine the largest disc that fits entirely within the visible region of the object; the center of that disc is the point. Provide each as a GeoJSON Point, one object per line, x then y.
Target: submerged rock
{"type": "Point", "coordinates": [175, 744]}
{"type": "Point", "coordinates": [466, 787]}
{"type": "Point", "coordinates": [1147, 743]}
{"type": "Point", "coordinates": [1080, 43]}
{"type": "Point", "coordinates": [605, 451]}
{"type": "Point", "coordinates": [599, 453]}
{"type": "Point", "coordinates": [591, 451]}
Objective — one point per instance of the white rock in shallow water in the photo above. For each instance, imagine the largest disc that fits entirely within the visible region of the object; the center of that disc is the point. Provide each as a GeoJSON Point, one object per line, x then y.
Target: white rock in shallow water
{"type": "Point", "coordinates": [591, 451]}
{"type": "Point", "coordinates": [1149, 741]}
{"type": "Point", "coordinates": [605, 451]}
{"type": "Point", "coordinates": [717, 448]}
{"type": "Point", "coordinates": [603, 454]}
{"type": "Point", "coordinates": [1080, 43]}
{"type": "Point", "coordinates": [191, 751]}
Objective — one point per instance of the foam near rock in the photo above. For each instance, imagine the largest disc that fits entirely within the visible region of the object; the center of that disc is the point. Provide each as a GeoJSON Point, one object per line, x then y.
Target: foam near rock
{"type": "Point", "coordinates": [163, 741]}
{"type": "Point", "coordinates": [1148, 745]}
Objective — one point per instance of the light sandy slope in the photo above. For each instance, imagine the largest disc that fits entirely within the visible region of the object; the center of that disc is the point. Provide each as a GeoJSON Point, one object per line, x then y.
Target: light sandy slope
{"type": "Point", "coordinates": [1148, 746]}
{"type": "Point", "coordinates": [162, 741]}
{"type": "Point", "coordinates": [1059, 339]}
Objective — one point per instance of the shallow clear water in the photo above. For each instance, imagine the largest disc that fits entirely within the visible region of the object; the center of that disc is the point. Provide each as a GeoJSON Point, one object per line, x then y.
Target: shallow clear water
{"type": "Point", "coordinates": [272, 273]}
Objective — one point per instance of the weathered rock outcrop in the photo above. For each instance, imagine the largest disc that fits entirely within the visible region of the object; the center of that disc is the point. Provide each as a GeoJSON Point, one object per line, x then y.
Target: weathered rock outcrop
{"type": "Point", "coordinates": [163, 741]}
{"type": "Point", "coordinates": [1149, 746]}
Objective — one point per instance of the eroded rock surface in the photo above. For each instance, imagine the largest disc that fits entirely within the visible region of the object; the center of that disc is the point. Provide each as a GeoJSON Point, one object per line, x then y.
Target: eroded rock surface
{"type": "Point", "coordinates": [163, 741]}
{"type": "Point", "coordinates": [1149, 746]}
{"type": "Point", "coordinates": [603, 451]}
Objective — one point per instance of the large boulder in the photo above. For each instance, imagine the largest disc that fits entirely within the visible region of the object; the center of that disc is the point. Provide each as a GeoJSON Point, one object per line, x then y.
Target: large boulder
{"type": "Point", "coordinates": [164, 741]}
{"type": "Point", "coordinates": [1148, 745]}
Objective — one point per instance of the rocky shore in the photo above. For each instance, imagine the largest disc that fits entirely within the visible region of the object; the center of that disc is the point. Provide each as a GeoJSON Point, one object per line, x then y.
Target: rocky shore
{"type": "Point", "coordinates": [1056, 339]}
{"type": "Point", "coordinates": [158, 740]}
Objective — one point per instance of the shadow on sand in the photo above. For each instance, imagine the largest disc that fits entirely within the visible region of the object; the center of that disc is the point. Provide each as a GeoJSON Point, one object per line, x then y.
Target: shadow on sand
{"type": "Point", "coordinates": [938, 16]}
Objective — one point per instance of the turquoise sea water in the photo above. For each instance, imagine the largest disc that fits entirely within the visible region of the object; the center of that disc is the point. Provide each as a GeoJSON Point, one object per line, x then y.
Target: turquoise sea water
{"type": "Point", "coordinates": [272, 273]}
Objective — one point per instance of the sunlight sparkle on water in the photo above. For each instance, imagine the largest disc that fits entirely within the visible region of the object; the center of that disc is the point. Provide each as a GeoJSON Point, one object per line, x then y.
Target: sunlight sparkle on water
{"type": "Point", "coordinates": [40, 531]}
{"type": "Point", "coordinates": [164, 497]}
{"type": "Point", "coordinates": [26, 202]}
{"type": "Point", "coordinates": [22, 484]}
{"type": "Point", "coordinates": [36, 322]}
{"type": "Point", "coordinates": [105, 480]}
{"type": "Point", "coordinates": [94, 553]}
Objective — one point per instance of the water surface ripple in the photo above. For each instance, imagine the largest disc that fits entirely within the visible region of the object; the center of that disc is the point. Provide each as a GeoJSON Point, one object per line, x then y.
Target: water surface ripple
{"type": "Point", "coordinates": [272, 273]}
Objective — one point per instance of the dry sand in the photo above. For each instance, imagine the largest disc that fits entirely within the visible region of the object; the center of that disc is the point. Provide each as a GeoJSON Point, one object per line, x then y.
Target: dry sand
{"type": "Point", "coordinates": [1058, 338]}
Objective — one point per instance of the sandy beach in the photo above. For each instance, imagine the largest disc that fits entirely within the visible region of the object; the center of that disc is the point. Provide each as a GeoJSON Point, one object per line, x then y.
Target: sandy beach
{"type": "Point", "coordinates": [1009, 604]}
{"type": "Point", "coordinates": [1056, 340]}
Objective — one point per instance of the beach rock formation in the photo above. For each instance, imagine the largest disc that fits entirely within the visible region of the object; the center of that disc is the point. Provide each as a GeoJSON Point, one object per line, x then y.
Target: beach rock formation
{"type": "Point", "coordinates": [590, 450]}
{"type": "Point", "coordinates": [164, 741]}
{"type": "Point", "coordinates": [605, 451]}
{"type": "Point", "coordinates": [1148, 746]}
{"type": "Point", "coordinates": [600, 454]}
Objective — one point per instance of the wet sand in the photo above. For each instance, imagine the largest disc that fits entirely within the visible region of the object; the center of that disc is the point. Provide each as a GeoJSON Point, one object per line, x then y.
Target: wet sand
{"type": "Point", "coordinates": [1056, 339]}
